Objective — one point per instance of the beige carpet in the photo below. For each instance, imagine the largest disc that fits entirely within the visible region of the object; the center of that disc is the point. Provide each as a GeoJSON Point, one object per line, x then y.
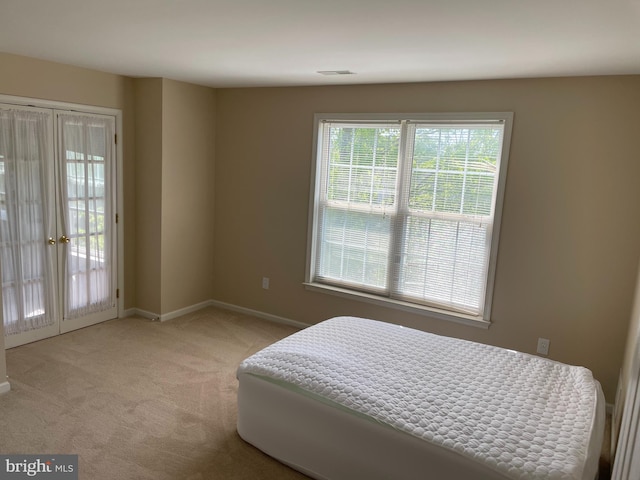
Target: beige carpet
{"type": "Point", "coordinates": [137, 399]}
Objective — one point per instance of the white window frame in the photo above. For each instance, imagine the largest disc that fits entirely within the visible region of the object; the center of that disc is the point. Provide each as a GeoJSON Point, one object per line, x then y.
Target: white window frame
{"type": "Point", "coordinates": [483, 321]}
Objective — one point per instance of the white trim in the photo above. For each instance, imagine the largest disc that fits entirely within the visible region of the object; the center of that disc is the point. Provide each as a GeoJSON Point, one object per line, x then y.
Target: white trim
{"type": "Point", "coordinates": [507, 118]}
{"type": "Point", "coordinates": [316, 153]}
{"type": "Point", "coordinates": [58, 105]}
{"type": "Point", "coordinates": [461, 318]}
{"type": "Point", "coordinates": [120, 209]}
{"type": "Point", "coordinates": [131, 312]}
{"type": "Point", "coordinates": [626, 456]}
{"type": "Point", "coordinates": [259, 314]}
{"type": "Point", "coordinates": [625, 465]}
{"type": "Point", "coordinates": [436, 117]}
{"type": "Point", "coordinates": [183, 311]}
{"type": "Point", "coordinates": [294, 323]}
{"type": "Point", "coordinates": [4, 387]}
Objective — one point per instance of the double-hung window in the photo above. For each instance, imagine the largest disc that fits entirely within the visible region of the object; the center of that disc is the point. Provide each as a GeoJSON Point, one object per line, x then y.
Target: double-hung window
{"type": "Point", "coordinates": [405, 210]}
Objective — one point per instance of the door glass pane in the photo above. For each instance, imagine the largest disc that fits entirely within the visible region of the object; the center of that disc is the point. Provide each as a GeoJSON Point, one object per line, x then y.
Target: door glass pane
{"type": "Point", "coordinates": [87, 144]}
{"type": "Point", "coordinates": [27, 273]}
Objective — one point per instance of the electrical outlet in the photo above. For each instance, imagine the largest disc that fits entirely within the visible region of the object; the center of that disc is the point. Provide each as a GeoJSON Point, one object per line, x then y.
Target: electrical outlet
{"type": "Point", "coordinates": [543, 346]}
{"type": "Point", "coordinates": [265, 283]}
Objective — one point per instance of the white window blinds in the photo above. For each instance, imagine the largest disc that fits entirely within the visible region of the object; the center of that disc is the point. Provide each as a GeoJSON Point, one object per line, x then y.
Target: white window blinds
{"type": "Point", "coordinates": [406, 210]}
{"type": "Point", "coordinates": [357, 202]}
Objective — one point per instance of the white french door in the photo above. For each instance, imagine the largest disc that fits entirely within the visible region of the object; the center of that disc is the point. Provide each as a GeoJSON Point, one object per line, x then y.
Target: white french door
{"type": "Point", "coordinates": [86, 219]}
{"type": "Point", "coordinates": [57, 221]}
{"type": "Point", "coordinates": [27, 218]}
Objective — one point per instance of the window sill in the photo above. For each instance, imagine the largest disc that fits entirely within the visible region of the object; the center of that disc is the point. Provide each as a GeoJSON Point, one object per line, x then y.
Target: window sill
{"type": "Point", "coordinates": [461, 318]}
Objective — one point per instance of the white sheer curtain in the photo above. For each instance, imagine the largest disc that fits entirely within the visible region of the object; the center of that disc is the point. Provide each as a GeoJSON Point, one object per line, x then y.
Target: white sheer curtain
{"type": "Point", "coordinates": [86, 152]}
{"type": "Point", "coordinates": [25, 219]}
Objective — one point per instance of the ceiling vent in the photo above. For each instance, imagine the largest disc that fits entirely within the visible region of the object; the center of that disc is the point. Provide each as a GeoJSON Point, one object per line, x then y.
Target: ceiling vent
{"type": "Point", "coordinates": [336, 72]}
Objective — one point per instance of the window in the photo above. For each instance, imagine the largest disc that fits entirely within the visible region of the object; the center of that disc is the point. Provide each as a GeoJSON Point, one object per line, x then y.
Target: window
{"type": "Point", "coordinates": [406, 210]}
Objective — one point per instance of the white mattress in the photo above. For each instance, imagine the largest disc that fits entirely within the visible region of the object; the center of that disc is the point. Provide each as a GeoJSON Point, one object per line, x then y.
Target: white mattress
{"type": "Point", "coordinates": [350, 395]}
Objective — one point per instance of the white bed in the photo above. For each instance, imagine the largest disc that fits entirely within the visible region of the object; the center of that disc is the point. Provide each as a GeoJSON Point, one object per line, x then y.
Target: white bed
{"type": "Point", "coordinates": [353, 398]}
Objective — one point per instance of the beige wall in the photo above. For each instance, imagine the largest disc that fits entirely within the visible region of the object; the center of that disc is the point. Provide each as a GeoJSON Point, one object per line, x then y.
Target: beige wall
{"type": "Point", "coordinates": [175, 131]}
{"type": "Point", "coordinates": [569, 244]}
{"type": "Point", "coordinates": [188, 132]}
{"type": "Point", "coordinates": [148, 191]}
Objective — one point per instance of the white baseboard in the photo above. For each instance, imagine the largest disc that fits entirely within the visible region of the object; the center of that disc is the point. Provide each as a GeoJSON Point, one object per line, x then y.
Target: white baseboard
{"type": "Point", "coordinates": [129, 312]}
{"type": "Point", "coordinates": [4, 387]}
{"type": "Point", "coordinates": [257, 313]}
{"type": "Point", "coordinates": [183, 311]}
{"type": "Point", "coordinates": [141, 313]}
{"type": "Point", "coordinates": [212, 303]}
{"type": "Point", "coordinates": [165, 316]}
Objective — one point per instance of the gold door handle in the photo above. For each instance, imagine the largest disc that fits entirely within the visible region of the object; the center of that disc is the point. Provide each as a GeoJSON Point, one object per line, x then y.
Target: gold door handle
{"type": "Point", "coordinates": [64, 239]}
{"type": "Point", "coordinates": [51, 241]}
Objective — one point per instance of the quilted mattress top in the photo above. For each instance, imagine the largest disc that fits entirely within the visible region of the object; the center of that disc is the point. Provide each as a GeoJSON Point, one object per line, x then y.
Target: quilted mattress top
{"type": "Point", "coordinates": [524, 416]}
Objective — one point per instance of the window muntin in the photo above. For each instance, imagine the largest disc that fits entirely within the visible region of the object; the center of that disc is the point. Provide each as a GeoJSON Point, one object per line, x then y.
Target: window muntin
{"type": "Point", "coordinates": [405, 210]}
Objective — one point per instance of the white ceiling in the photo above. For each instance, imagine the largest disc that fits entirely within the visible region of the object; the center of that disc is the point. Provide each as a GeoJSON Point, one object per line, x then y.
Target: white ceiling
{"type": "Point", "coordinates": [238, 43]}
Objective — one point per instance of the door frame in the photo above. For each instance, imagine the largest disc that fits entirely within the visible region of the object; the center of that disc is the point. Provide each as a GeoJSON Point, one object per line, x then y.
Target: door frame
{"type": "Point", "coordinates": [626, 457]}
{"type": "Point", "coordinates": [119, 201]}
